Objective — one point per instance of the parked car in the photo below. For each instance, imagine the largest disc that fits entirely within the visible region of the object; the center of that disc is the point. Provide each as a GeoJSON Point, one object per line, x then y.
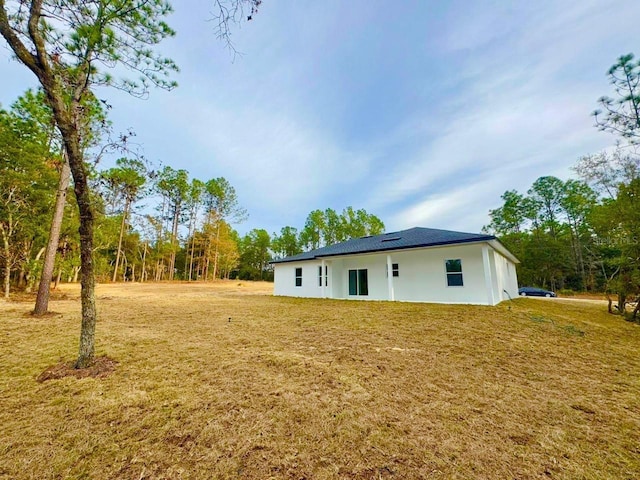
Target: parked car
{"type": "Point", "coordinates": [535, 292]}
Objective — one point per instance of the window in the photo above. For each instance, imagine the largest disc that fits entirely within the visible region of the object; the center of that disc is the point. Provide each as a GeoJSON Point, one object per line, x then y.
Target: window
{"type": "Point", "coordinates": [326, 268]}
{"type": "Point", "coordinates": [395, 269]}
{"type": "Point", "coordinates": [454, 273]}
{"type": "Point", "coordinates": [299, 277]}
{"type": "Point", "coordinates": [358, 282]}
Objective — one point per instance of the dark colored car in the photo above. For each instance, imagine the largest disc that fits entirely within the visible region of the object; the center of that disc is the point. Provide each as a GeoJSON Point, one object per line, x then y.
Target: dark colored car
{"type": "Point", "coordinates": [535, 292]}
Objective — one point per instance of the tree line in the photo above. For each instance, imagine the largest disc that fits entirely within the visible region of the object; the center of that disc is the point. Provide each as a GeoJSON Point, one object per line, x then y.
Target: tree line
{"type": "Point", "coordinates": [584, 233]}
{"type": "Point", "coordinates": [151, 224]}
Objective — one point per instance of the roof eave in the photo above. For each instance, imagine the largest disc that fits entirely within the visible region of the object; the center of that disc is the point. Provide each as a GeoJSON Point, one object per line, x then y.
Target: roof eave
{"type": "Point", "coordinates": [504, 251]}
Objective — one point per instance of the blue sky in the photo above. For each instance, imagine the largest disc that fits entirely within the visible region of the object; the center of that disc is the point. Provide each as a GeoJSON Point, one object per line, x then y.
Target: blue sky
{"type": "Point", "coordinates": [421, 112]}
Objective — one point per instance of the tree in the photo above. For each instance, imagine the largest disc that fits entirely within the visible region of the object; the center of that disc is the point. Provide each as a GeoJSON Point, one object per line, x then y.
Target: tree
{"type": "Point", "coordinates": [26, 180]}
{"type": "Point", "coordinates": [548, 229]}
{"type": "Point", "coordinates": [194, 202]}
{"type": "Point", "coordinates": [287, 243]}
{"type": "Point", "coordinates": [222, 205]}
{"type": "Point", "coordinates": [126, 183]}
{"type": "Point", "coordinates": [618, 175]}
{"type": "Point", "coordinates": [359, 223]}
{"type": "Point", "coordinates": [33, 107]}
{"type": "Point", "coordinates": [512, 216]}
{"type": "Point", "coordinates": [254, 254]}
{"type": "Point", "coordinates": [621, 115]}
{"type": "Point", "coordinates": [326, 228]}
{"type": "Point", "coordinates": [173, 185]}
{"type": "Point", "coordinates": [69, 45]}
{"type": "Point", "coordinates": [311, 235]}
{"type": "Point", "coordinates": [228, 251]}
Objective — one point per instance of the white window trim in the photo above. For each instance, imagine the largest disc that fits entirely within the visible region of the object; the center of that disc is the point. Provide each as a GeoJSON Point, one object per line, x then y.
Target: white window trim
{"type": "Point", "coordinates": [446, 274]}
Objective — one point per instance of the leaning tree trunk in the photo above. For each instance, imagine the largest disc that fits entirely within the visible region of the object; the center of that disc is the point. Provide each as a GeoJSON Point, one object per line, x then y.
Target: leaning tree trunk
{"type": "Point", "coordinates": [42, 300]}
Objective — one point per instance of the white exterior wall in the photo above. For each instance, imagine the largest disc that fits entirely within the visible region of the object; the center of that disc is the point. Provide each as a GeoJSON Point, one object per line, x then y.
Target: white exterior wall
{"type": "Point", "coordinates": [284, 278]}
{"type": "Point", "coordinates": [376, 265]}
{"type": "Point", "coordinates": [507, 277]}
{"type": "Point", "coordinates": [422, 276]}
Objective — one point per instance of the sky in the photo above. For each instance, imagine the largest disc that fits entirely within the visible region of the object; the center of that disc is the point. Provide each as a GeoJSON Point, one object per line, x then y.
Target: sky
{"type": "Point", "coordinates": [421, 112]}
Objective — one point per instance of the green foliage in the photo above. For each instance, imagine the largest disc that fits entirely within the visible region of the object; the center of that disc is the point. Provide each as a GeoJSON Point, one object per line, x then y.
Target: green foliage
{"type": "Point", "coordinates": [86, 39]}
{"type": "Point", "coordinates": [548, 230]}
{"type": "Point", "coordinates": [621, 115]}
{"type": "Point", "coordinates": [326, 228]}
{"type": "Point", "coordinates": [221, 200]}
{"type": "Point", "coordinates": [27, 184]}
{"type": "Point", "coordinates": [255, 256]}
{"type": "Point", "coordinates": [287, 243]}
{"type": "Point", "coordinates": [124, 184]}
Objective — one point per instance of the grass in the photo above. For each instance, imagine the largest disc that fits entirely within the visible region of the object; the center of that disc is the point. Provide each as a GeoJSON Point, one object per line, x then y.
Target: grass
{"type": "Point", "coordinates": [302, 389]}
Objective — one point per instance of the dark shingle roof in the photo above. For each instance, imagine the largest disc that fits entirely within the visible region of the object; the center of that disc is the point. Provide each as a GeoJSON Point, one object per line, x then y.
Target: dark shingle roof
{"type": "Point", "coordinates": [412, 238]}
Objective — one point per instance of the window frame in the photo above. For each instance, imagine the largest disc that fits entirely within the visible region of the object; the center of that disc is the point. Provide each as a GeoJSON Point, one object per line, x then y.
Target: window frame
{"type": "Point", "coordinates": [298, 276]}
{"type": "Point", "coordinates": [321, 276]}
{"type": "Point", "coordinates": [361, 278]}
{"type": "Point", "coordinates": [395, 270]}
{"type": "Point", "coordinates": [454, 274]}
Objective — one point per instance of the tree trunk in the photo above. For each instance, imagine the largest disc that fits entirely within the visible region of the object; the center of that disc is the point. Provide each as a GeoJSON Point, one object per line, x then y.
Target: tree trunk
{"type": "Point", "coordinates": [189, 242]}
{"type": "Point", "coordinates": [635, 310]}
{"type": "Point", "coordinates": [30, 278]}
{"type": "Point", "coordinates": [622, 303]}
{"type": "Point", "coordinates": [69, 130]}
{"type": "Point", "coordinates": [193, 246]}
{"type": "Point", "coordinates": [215, 255]}
{"type": "Point", "coordinates": [42, 299]}
{"type": "Point", "coordinates": [122, 225]}
{"type": "Point", "coordinates": [7, 265]}
{"type": "Point", "coordinates": [144, 259]}
{"type": "Point", "coordinates": [22, 275]}
{"type": "Point", "coordinates": [174, 241]}
{"type": "Point", "coordinates": [86, 351]}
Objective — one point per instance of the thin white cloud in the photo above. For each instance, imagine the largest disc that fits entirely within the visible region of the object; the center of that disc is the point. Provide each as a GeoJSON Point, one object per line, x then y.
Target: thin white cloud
{"type": "Point", "coordinates": [526, 113]}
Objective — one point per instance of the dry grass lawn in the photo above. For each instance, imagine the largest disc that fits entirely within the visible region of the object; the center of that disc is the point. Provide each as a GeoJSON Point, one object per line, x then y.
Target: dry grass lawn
{"type": "Point", "coordinates": [306, 389]}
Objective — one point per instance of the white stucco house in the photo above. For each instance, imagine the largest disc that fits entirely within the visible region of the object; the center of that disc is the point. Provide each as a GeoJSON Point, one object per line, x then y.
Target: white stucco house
{"type": "Point", "coordinates": [415, 265]}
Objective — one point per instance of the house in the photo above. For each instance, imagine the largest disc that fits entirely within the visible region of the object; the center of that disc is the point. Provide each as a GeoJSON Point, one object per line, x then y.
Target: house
{"type": "Point", "coordinates": [415, 265]}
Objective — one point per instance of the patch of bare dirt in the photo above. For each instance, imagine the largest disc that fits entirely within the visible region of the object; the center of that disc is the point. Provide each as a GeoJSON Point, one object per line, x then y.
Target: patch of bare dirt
{"type": "Point", "coordinates": [101, 367]}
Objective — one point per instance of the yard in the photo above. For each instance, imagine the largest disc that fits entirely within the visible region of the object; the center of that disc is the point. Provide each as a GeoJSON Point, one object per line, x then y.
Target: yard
{"type": "Point", "coordinates": [225, 381]}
